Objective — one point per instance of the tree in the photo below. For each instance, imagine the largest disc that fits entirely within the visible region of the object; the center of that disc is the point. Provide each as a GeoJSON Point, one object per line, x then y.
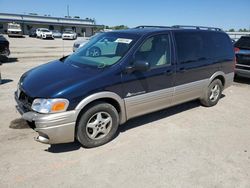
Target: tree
{"type": "Point", "coordinates": [231, 30]}
{"type": "Point", "coordinates": [119, 27]}
{"type": "Point", "coordinates": [243, 30]}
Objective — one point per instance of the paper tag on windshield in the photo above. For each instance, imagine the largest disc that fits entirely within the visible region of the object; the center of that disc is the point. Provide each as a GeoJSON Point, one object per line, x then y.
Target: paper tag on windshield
{"type": "Point", "coordinates": [122, 40]}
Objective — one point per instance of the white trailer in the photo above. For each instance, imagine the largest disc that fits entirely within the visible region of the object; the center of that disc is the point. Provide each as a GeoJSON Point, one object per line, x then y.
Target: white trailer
{"type": "Point", "coordinates": [14, 30]}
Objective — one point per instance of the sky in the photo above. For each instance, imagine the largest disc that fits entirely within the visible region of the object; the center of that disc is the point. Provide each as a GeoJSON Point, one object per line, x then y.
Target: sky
{"type": "Point", "coordinates": [225, 14]}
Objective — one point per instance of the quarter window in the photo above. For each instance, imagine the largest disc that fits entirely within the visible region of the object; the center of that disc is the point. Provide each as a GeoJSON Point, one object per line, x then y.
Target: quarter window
{"type": "Point", "coordinates": [155, 50]}
{"type": "Point", "coordinates": [197, 46]}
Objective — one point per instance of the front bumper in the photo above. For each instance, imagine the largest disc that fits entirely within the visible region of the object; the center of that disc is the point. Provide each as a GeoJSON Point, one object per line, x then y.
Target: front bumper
{"type": "Point", "coordinates": [51, 128]}
{"type": "Point", "coordinates": [68, 37]}
{"type": "Point", "coordinates": [47, 36]}
{"type": "Point", "coordinates": [5, 53]}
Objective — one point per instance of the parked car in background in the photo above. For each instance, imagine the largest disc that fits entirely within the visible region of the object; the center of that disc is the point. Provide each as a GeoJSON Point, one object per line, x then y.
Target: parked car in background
{"type": "Point", "coordinates": [4, 51]}
{"type": "Point", "coordinates": [242, 52]}
{"type": "Point", "coordinates": [82, 42]}
{"type": "Point", "coordinates": [4, 48]}
{"type": "Point", "coordinates": [85, 96]}
{"type": "Point", "coordinates": [0, 74]}
{"type": "Point", "coordinates": [32, 32]}
{"type": "Point", "coordinates": [44, 33]}
{"type": "Point", "coordinates": [69, 34]}
{"type": "Point", "coordinates": [14, 30]}
{"type": "Point", "coordinates": [57, 34]}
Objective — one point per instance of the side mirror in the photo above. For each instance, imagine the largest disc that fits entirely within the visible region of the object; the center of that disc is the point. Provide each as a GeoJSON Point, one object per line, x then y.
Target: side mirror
{"type": "Point", "coordinates": [141, 66]}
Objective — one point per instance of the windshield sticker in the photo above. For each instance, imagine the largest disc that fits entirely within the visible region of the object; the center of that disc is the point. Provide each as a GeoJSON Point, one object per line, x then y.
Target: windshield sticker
{"type": "Point", "coordinates": [122, 40]}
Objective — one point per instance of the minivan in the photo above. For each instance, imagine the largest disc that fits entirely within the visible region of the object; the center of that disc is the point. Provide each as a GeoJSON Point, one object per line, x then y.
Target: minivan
{"type": "Point", "coordinates": [120, 75]}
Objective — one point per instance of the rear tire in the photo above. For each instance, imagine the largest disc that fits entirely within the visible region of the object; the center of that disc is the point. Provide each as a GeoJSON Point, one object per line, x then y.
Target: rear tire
{"type": "Point", "coordinates": [97, 125]}
{"type": "Point", "coordinates": [213, 93]}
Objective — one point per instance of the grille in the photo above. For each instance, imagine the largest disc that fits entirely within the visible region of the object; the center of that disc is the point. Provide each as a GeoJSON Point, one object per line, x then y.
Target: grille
{"type": "Point", "coordinates": [14, 32]}
{"type": "Point", "coordinates": [25, 100]}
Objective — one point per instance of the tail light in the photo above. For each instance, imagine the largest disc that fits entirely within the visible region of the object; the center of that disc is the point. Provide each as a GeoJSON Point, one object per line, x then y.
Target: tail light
{"type": "Point", "coordinates": [236, 50]}
{"type": "Point", "coordinates": [235, 59]}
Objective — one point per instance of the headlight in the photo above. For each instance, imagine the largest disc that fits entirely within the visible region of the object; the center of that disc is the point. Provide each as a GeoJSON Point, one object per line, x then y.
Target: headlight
{"type": "Point", "coordinates": [81, 45]}
{"type": "Point", "coordinates": [50, 105]}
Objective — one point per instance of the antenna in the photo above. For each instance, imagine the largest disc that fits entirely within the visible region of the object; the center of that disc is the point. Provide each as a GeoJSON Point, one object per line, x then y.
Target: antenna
{"type": "Point", "coordinates": [63, 46]}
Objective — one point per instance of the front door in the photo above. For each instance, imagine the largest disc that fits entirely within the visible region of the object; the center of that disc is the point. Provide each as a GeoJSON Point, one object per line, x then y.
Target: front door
{"type": "Point", "coordinates": [151, 90]}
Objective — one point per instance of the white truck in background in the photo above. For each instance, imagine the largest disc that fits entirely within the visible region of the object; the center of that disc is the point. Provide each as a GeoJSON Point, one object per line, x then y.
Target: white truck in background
{"type": "Point", "coordinates": [14, 30]}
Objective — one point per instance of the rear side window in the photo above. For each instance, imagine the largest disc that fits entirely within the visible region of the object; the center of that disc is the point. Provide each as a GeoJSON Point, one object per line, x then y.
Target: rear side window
{"type": "Point", "coordinates": [220, 44]}
{"type": "Point", "coordinates": [197, 46]}
{"type": "Point", "coordinates": [243, 42]}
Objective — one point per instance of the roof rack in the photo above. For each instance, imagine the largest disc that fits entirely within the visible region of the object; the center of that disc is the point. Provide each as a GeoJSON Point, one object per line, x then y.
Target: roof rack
{"type": "Point", "coordinates": [150, 26]}
{"type": "Point", "coordinates": [197, 27]}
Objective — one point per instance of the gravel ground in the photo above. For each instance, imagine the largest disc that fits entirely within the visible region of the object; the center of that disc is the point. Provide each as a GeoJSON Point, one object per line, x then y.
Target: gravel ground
{"type": "Point", "coordinates": [184, 146]}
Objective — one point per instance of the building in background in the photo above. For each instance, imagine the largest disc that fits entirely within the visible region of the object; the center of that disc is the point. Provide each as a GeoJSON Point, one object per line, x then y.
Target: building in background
{"type": "Point", "coordinates": [83, 27]}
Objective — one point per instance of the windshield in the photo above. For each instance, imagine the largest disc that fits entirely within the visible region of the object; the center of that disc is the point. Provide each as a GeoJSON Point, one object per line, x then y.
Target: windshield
{"type": "Point", "coordinates": [14, 26]}
{"type": "Point", "coordinates": [103, 50]}
{"type": "Point", "coordinates": [68, 31]}
{"type": "Point", "coordinates": [45, 30]}
{"type": "Point", "coordinates": [243, 42]}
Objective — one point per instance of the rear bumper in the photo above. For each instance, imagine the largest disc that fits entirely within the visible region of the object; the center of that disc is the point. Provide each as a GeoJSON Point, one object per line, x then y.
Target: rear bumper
{"type": "Point", "coordinates": [242, 72]}
{"type": "Point", "coordinates": [51, 128]}
{"type": "Point", "coordinates": [15, 34]}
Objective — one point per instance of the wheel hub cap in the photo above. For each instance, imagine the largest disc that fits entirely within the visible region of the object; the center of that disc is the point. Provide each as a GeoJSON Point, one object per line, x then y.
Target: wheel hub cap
{"type": "Point", "coordinates": [215, 92]}
{"type": "Point", "coordinates": [99, 125]}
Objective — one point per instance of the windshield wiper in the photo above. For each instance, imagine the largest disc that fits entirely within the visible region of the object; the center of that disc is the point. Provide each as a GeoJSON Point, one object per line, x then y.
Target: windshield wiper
{"type": "Point", "coordinates": [101, 65]}
{"type": "Point", "coordinates": [63, 58]}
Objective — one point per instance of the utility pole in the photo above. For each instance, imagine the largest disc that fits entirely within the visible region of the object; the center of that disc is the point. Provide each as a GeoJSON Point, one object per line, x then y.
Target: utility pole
{"type": "Point", "coordinates": [68, 10]}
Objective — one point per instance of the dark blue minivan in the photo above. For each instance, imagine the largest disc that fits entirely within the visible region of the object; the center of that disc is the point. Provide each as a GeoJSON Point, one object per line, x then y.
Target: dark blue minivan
{"type": "Point", "coordinates": [120, 75]}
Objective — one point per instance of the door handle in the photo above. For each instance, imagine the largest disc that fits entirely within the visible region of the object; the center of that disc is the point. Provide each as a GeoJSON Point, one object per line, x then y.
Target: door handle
{"type": "Point", "coordinates": [169, 72]}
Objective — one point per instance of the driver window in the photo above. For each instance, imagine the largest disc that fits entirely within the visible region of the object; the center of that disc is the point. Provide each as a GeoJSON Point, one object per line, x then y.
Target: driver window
{"type": "Point", "coordinates": [155, 50]}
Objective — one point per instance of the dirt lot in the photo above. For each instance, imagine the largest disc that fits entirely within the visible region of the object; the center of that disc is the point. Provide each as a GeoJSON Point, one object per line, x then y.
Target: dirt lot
{"type": "Point", "coordinates": [185, 146]}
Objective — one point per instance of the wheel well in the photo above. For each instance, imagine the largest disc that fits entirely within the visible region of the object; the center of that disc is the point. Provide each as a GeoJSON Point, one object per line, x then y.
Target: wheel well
{"type": "Point", "coordinates": [221, 78]}
{"type": "Point", "coordinates": [111, 101]}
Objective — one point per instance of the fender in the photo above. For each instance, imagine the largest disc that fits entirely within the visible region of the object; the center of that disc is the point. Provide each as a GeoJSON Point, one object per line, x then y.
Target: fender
{"type": "Point", "coordinates": [228, 78]}
{"type": "Point", "coordinates": [218, 73]}
{"type": "Point", "coordinates": [101, 95]}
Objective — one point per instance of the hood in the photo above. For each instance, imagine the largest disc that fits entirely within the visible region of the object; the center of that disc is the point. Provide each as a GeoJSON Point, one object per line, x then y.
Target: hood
{"type": "Point", "coordinates": [55, 79]}
{"type": "Point", "coordinates": [68, 33]}
{"type": "Point", "coordinates": [83, 41]}
{"type": "Point", "coordinates": [46, 32]}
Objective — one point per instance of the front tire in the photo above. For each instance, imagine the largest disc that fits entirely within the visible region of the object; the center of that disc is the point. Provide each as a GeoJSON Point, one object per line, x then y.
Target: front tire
{"type": "Point", "coordinates": [97, 125]}
{"type": "Point", "coordinates": [213, 93]}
